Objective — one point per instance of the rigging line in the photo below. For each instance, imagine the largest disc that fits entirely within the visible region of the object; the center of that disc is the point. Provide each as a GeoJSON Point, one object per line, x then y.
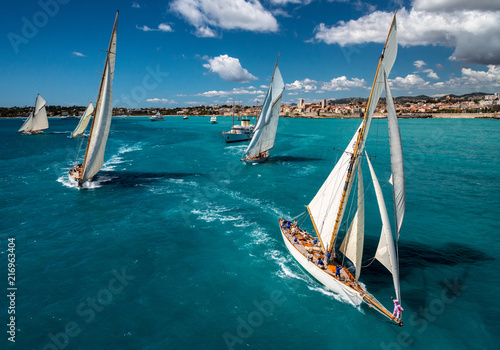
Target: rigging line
{"type": "Point", "coordinates": [373, 259]}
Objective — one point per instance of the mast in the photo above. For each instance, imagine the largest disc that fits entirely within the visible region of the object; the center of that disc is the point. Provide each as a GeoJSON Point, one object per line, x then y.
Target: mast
{"type": "Point", "coordinates": [98, 102]}
{"type": "Point", "coordinates": [358, 145]}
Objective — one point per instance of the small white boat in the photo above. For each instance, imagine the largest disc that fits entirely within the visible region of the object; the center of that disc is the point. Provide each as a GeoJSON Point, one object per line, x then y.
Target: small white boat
{"type": "Point", "coordinates": [156, 117]}
{"type": "Point", "coordinates": [185, 117]}
{"type": "Point", "coordinates": [213, 120]}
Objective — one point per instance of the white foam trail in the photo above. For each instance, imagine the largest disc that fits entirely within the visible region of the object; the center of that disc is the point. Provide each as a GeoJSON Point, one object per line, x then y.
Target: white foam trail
{"type": "Point", "coordinates": [210, 215]}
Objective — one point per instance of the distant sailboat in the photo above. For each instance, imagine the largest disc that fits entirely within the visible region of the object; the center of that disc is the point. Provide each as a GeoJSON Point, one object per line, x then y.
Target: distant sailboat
{"type": "Point", "coordinates": [37, 120]}
{"type": "Point", "coordinates": [264, 133]}
{"type": "Point", "coordinates": [319, 256]}
{"type": "Point", "coordinates": [94, 154]}
{"type": "Point", "coordinates": [84, 121]}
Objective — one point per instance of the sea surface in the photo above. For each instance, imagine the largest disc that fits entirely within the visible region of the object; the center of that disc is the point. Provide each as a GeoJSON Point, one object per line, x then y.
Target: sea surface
{"type": "Point", "coordinates": [175, 243]}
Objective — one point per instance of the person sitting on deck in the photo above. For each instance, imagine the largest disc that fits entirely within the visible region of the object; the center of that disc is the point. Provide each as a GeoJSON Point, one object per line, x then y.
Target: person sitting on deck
{"type": "Point", "coordinates": [321, 263]}
{"type": "Point", "coordinates": [398, 309]}
{"type": "Point", "coordinates": [337, 271]}
{"type": "Point", "coordinates": [315, 241]}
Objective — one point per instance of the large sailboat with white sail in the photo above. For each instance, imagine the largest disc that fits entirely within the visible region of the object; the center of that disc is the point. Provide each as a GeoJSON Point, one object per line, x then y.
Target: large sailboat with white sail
{"type": "Point", "coordinates": [101, 123]}
{"type": "Point", "coordinates": [37, 120]}
{"type": "Point", "coordinates": [264, 133]}
{"type": "Point", "coordinates": [318, 252]}
{"type": "Point", "coordinates": [84, 121]}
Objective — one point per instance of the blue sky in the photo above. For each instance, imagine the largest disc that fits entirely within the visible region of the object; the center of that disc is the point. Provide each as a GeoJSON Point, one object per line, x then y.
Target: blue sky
{"type": "Point", "coordinates": [189, 52]}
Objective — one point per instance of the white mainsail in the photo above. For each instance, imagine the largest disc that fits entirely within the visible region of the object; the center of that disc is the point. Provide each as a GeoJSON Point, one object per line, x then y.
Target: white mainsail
{"type": "Point", "coordinates": [386, 252]}
{"type": "Point", "coordinates": [324, 205]}
{"type": "Point", "coordinates": [38, 118]}
{"type": "Point", "coordinates": [352, 246]}
{"type": "Point", "coordinates": [84, 121]}
{"type": "Point", "coordinates": [267, 124]}
{"type": "Point", "coordinates": [397, 167]}
{"type": "Point", "coordinates": [94, 156]}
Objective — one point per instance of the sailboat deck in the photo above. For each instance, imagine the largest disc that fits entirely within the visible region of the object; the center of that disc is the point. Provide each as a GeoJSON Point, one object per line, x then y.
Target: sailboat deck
{"type": "Point", "coordinates": [305, 245]}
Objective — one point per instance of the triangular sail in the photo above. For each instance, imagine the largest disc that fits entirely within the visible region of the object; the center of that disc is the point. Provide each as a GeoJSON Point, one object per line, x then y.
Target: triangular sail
{"type": "Point", "coordinates": [387, 60]}
{"type": "Point", "coordinates": [397, 167]}
{"type": "Point", "coordinates": [27, 125]}
{"type": "Point", "coordinates": [386, 252]}
{"type": "Point", "coordinates": [352, 246]}
{"type": "Point", "coordinates": [84, 121]}
{"type": "Point", "coordinates": [267, 124]}
{"type": "Point", "coordinates": [94, 156]}
{"type": "Point", "coordinates": [325, 204]}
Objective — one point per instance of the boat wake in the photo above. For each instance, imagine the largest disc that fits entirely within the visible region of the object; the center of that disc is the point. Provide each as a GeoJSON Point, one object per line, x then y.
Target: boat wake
{"type": "Point", "coordinates": [116, 159]}
{"type": "Point", "coordinates": [220, 214]}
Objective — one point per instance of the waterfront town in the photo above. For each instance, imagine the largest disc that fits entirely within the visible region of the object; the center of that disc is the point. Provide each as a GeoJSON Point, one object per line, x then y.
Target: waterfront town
{"type": "Point", "coordinates": [474, 105]}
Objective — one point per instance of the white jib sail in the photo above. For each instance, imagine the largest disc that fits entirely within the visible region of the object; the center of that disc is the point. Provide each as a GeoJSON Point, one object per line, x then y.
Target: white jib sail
{"type": "Point", "coordinates": [325, 205]}
{"type": "Point", "coordinates": [40, 121]}
{"type": "Point", "coordinates": [84, 121]}
{"type": "Point", "coordinates": [352, 246]}
{"type": "Point", "coordinates": [27, 125]}
{"type": "Point", "coordinates": [386, 62]}
{"type": "Point", "coordinates": [386, 252]}
{"type": "Point", "coordinates": [94, 158]}
{"type": "Point", "coordinates": [267, 124]}
{"type": "Point", "coordinates": [397, 167]}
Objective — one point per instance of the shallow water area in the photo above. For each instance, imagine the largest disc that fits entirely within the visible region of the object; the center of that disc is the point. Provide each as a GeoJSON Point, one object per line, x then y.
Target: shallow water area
{"type": "Point", "coordinates": [175, 242]}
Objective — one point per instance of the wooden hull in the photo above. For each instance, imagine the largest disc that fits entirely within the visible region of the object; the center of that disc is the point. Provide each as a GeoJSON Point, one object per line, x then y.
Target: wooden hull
{"type": "Point", "coordinates": [257, 160]}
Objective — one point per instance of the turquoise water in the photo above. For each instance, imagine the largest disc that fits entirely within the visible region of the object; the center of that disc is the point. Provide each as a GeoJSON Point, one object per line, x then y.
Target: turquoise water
{"type": "Point", "coordinates": [176, 244]}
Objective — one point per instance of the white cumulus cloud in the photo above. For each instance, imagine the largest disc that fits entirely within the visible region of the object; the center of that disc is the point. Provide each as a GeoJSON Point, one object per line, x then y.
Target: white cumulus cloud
{"type": "Point", "coordinates": [207, 15]}
{"type": "Point", "coordinates": [454, 5]}
{"type": "Point", "coordinates": [79, 54]}
{"type": "Point", "coordinates": [304, 85]}
{"type": "Point", "coordinates": [236, 91]}
{"type": "Point", "coordinates": [411, 81]}
{"type": "Point", "coordinates": [160, 100]}
{"type": "Point", "coordinates": [472, 31]}
{"type": "Point", "coordinates": [342, 83]}
{"type": "Point", "coordinates": [162, 27]}
{"type": "Point", "coordinates": [229, 68]}
{"type": "Point", "coordinates": [136, 5]}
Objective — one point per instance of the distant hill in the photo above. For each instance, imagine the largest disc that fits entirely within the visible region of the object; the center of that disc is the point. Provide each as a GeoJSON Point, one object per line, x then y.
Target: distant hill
{"type": "Point", "coordinates": [478, 95]}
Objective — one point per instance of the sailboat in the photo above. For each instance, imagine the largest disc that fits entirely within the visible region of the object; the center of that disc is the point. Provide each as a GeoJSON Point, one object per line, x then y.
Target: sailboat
{"type": "Point", "coordinates": [319, 255]}
{"type": "Point", "coordinates": [264, 133]}
{"type": "Point", "coordinates": [37, 120]}
{"type": "Point", "coordinates": [94, 154]}
{"type": "Point", "coordinates": [84, 121]}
